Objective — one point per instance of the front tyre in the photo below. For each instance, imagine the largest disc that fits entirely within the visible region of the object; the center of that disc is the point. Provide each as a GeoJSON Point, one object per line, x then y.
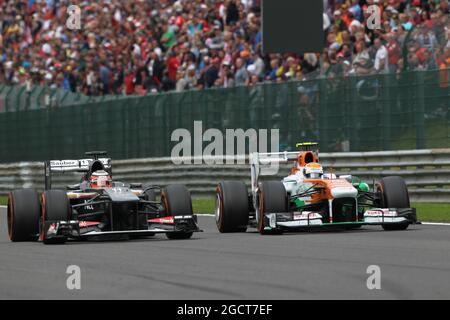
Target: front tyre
{"type": "Point", "coordinates": [393, 194]}
{"type": "Point", "coordinates": [231, 207]}
{"type": "Point", "coordinates": [177, 201]}
{"type": "Point", "coordinates": [23, 213]}
{"type": "Point", "coordinates": [55, 207]}
{"type": "Point", "coordinates": [272, 198]}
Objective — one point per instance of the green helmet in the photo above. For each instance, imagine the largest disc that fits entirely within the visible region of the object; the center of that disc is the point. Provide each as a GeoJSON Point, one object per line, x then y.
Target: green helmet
{"type": "Point", "coordinates": [363, 187]}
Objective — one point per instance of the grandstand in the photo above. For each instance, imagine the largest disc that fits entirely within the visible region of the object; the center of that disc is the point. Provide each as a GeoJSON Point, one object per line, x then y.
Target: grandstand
{"type": "Point", "coordinates": [151, 46]}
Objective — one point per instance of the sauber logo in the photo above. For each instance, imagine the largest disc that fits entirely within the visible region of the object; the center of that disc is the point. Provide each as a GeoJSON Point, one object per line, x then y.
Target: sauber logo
{"type": "Point", "coordinates": [63, 163]}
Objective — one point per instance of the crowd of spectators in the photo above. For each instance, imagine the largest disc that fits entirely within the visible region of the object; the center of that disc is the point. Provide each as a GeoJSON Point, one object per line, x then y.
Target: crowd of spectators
{"type": "Point", "coordinates": [412, 35]}
{"type": "Point", "coordinates": [146, 46]}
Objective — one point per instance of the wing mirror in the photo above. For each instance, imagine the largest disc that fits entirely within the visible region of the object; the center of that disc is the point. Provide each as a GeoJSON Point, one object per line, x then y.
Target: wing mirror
{"type": "Point", "coordinates": [347, 177]}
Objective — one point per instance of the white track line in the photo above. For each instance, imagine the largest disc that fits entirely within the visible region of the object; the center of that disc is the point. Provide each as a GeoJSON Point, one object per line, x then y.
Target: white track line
{"type": "Point", "coordinates": [436, 223]}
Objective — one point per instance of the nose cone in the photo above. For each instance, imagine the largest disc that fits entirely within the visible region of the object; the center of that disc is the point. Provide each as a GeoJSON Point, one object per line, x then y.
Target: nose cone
{"type": "Point", "coordinates": [344, 192]}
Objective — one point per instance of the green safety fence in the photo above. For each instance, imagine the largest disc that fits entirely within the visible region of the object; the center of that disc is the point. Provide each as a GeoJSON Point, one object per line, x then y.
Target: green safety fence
{"type": "Point", "coordinates": [21, 97]}
{"type": "Point", "coordinates": [380, 112]}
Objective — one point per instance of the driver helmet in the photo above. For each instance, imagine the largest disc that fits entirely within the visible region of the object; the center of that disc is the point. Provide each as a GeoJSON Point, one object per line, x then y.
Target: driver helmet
{"type": "Point", "coordinates": [313, 170]}
{"type": "Point", "coordinates": [100, 179]}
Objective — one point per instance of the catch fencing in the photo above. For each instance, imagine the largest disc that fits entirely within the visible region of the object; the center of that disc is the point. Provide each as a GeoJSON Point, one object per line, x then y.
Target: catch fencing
{"type": "Point", "coordinates": [410, 110]}
{"type": "Point", "coordinates": [426, 172]}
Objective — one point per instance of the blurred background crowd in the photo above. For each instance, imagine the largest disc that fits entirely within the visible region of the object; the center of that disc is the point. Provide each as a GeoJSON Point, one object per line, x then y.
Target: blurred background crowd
{"type": "Point", "coordinates": [148, 46]}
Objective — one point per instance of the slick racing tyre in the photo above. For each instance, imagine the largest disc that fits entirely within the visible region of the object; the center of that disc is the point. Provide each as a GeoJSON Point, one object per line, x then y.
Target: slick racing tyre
{"type": "Point", "coordinates": [272, 198]}
{"type": "Point", "coordinates": [231, 207]}
{"type": "Point", "coordinates": [176, 200]}
{"type": "Point", "coordinates": [23, 213]}
{"type": "Point", "coordinates": [393, 194]}
{"type": "Point", "coordinates": [55, 207]}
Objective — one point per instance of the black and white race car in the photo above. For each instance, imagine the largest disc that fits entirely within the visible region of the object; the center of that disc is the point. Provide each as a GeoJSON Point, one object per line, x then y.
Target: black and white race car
{"type": "Point", "coordinates": [98, 207]}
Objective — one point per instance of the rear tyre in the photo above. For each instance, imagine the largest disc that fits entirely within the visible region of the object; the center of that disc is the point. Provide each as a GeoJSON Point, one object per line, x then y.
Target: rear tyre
{"type": "Point", "coordinates": [55, 207]}
{"type": "Point", "coordinates": [176, 200]}
{"type": "Point", "coordinates": [393, 194]}
{"type": "Point", "coordinates": [23, 213]}
{"type": "Point", "coordinates": [272, 198]}
{"type": "Point", "coordinates": [231, 207]}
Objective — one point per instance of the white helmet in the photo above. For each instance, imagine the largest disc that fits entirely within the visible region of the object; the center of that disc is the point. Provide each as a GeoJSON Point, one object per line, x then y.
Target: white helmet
{"type": "Point", "coordinates": [313, 170]}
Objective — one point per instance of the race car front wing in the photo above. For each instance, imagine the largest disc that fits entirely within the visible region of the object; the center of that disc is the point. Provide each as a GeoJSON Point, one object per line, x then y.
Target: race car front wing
{"type": "Point", "coordinates": [60, 231]}
{"type": "Point", "coordinates": [301, 220]}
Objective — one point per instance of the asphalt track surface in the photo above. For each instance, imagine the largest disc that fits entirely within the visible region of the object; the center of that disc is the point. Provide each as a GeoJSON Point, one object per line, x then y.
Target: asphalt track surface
{"type": "Point", "coordinates": [414, 264]}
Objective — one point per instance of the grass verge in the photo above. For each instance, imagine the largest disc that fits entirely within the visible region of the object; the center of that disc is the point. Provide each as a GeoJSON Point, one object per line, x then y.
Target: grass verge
{"type": "Point", "coordinates": [435, 212]}
{"type": "Point", "coordinates": [203, 205]}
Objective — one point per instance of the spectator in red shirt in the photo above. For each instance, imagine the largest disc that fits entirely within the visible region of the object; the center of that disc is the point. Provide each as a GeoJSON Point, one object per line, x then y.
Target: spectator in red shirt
{"type": "Point", "coordinates": [172, 66]}
{"type": "Point", "coordinates": [394, 52]}
{"type": "Point", "coordinates": [129, 82]}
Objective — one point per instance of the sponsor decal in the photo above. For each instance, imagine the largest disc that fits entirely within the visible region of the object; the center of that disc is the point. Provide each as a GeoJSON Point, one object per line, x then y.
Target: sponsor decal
{"type": "Point", "coordinates": [64, 163]}
{"type": "Point", "coordinates": [305, 214]}
{"type": "Point", "coordinates": [313, 165]}
{"type": "Point", "coordinates": [88, 207]}
{"type": "Point", "coordinates": [339, 183]}
{"type": "Point", "coordinates": [380, 213]}
{"type": "Point", "coordinates": [167, 220]}
{"type": "Point", "coordinates": [182, 217]}
{"type": "Point", "coordinates": [84, 224]}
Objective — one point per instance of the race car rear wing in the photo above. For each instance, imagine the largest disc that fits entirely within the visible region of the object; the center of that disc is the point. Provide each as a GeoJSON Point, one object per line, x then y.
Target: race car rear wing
{"type": "Point", "coordinates": [81, 165]}
{"type": "Point", "coordinates": [265, 164]}
{"type": "Point", "coordinates": [62, 166]}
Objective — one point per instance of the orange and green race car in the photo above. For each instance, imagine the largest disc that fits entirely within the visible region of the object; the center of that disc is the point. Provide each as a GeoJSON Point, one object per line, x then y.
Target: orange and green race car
{"type": "Point", "coordinates": [309, 197]}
